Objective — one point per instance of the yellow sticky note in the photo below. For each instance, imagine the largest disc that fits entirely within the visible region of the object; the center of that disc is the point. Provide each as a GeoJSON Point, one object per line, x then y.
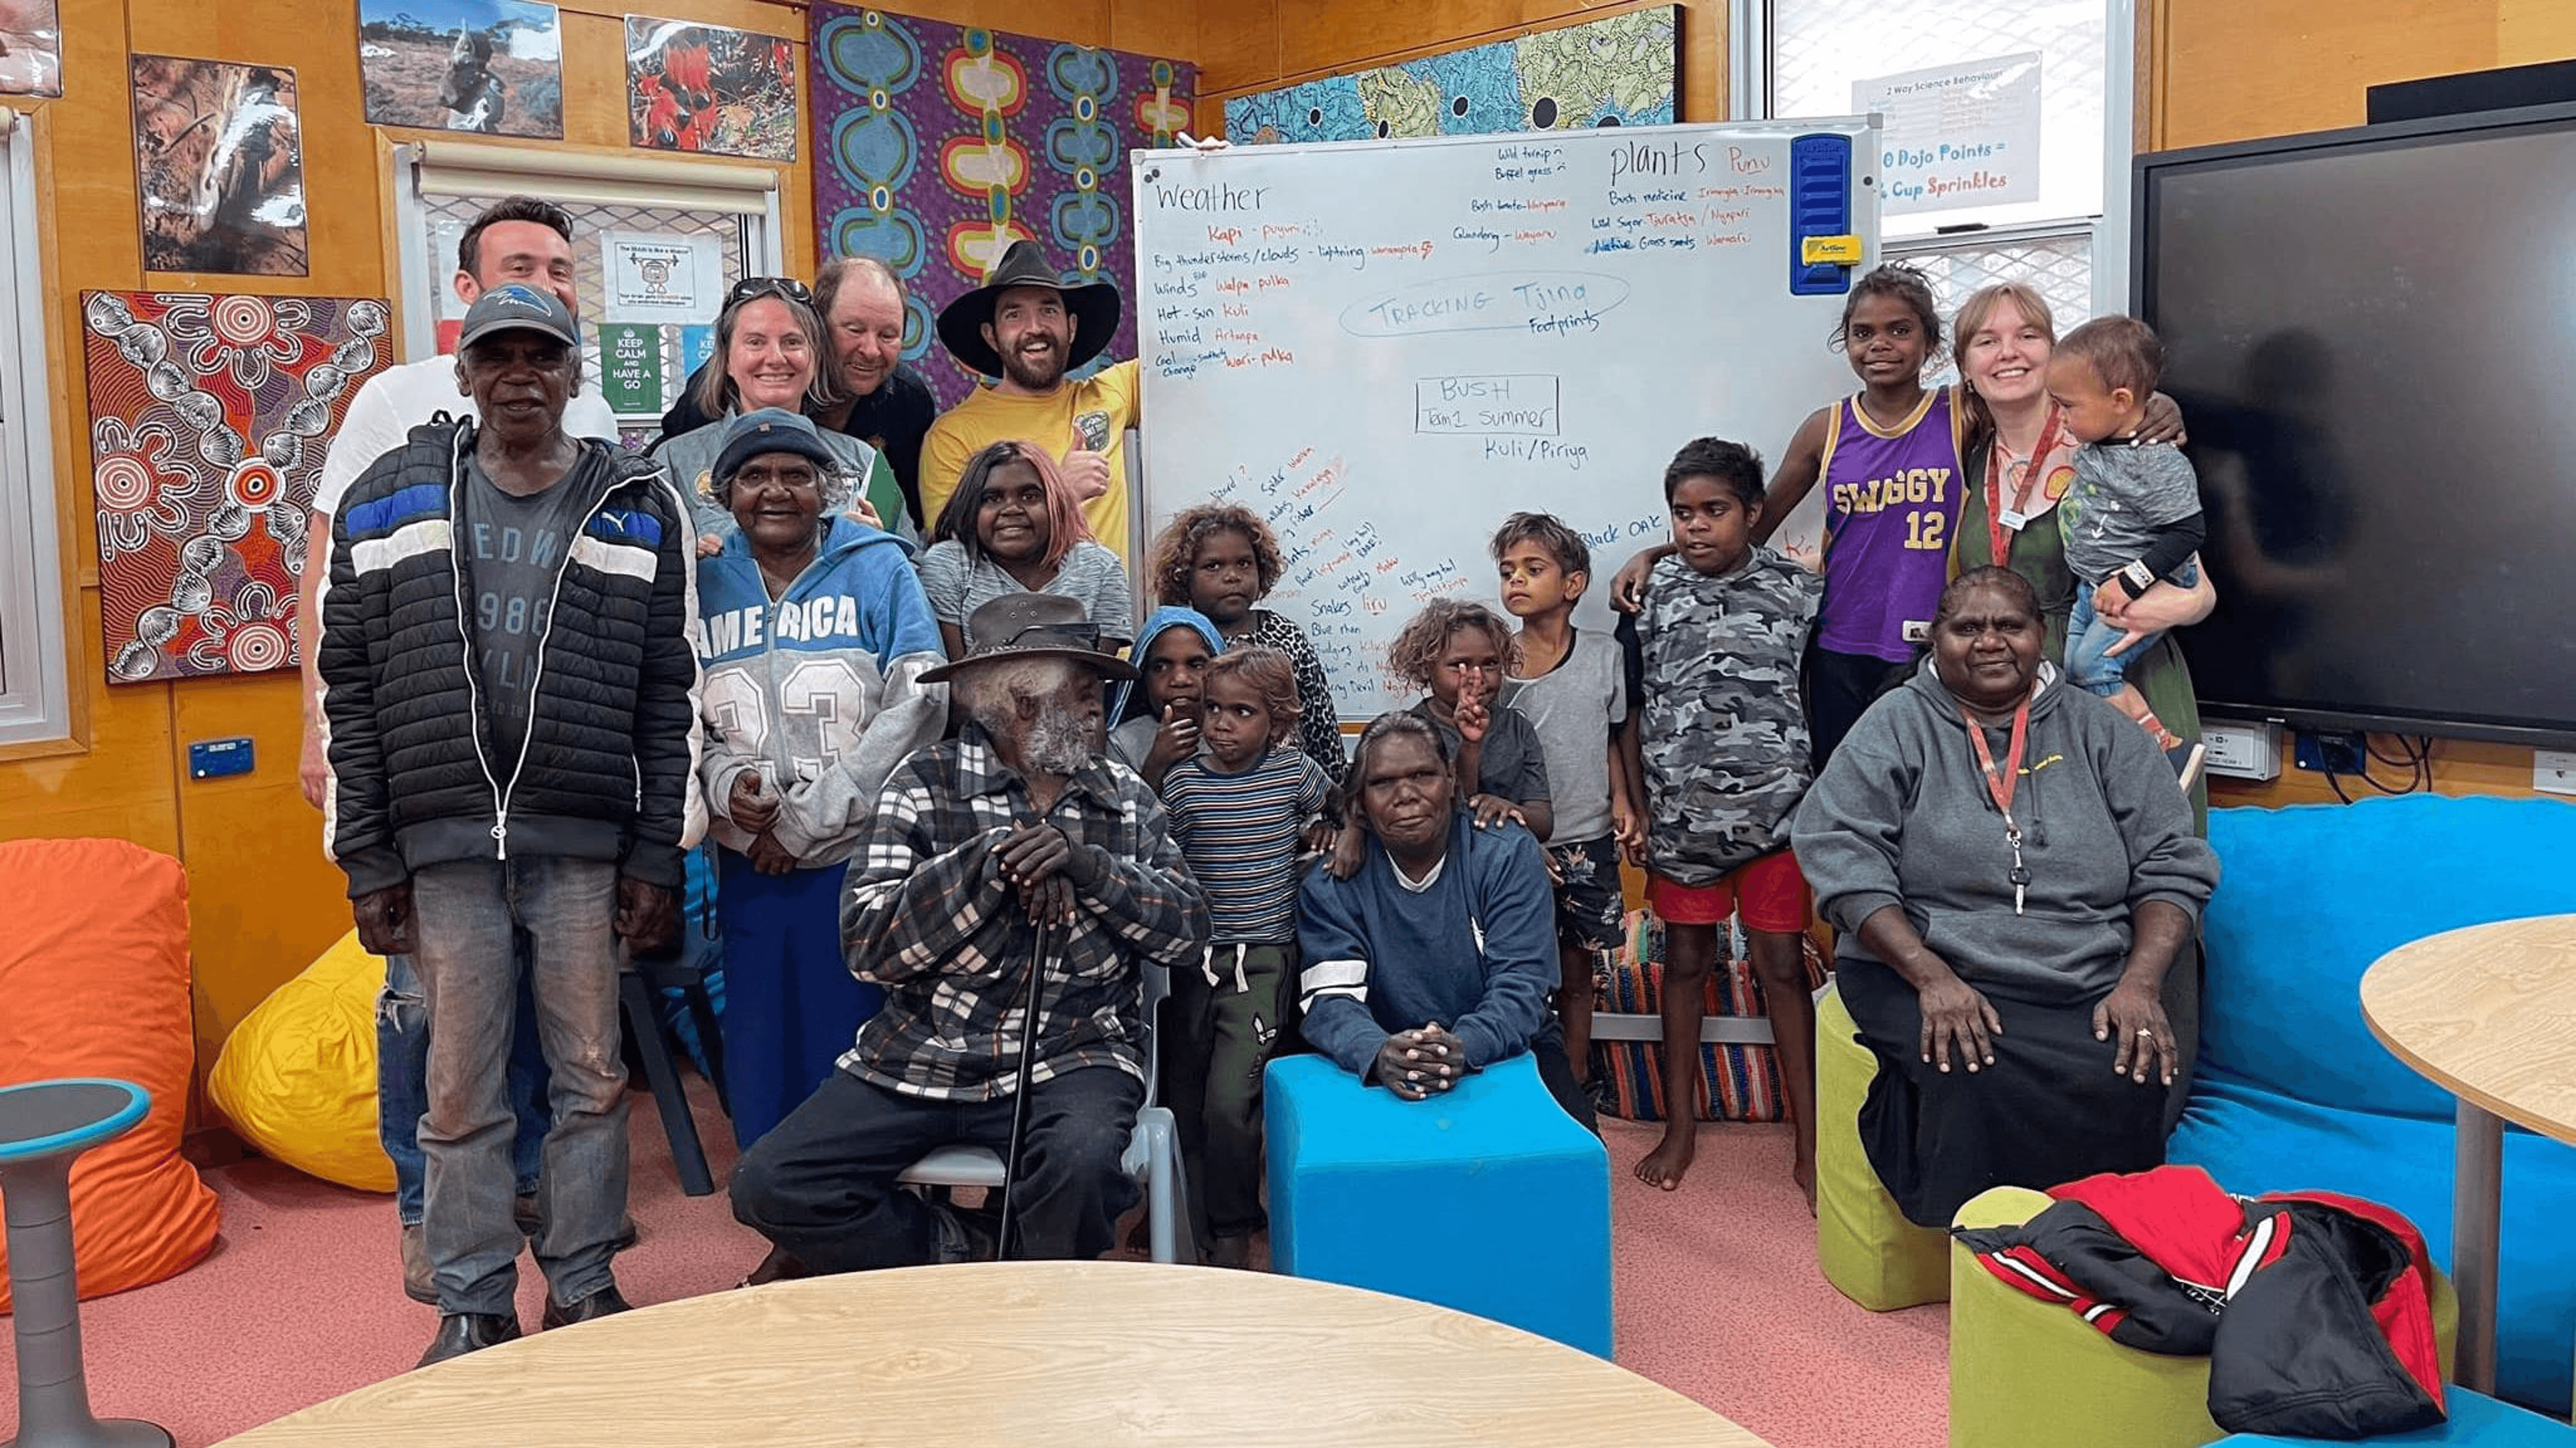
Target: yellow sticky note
{"type": "Point", "coordinates": [1841, 250]}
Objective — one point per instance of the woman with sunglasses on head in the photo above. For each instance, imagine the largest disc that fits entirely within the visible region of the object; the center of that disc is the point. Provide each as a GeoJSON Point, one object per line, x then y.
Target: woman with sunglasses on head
{"type": "Point", "coordinates": [769, 350]}
{"type": "Point", "coordinates": [885, 401]}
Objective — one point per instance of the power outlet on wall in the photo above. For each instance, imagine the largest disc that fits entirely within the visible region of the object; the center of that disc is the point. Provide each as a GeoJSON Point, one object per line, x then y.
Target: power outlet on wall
{"type": "Point", "coordinates": [2330, 751]}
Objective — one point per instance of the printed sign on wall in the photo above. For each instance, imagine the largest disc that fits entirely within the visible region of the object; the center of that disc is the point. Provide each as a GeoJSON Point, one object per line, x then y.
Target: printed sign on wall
{"type": "Point", "coordinates": [1956, 135]}
{"type": "Point", "coordinates": [661, 277]}
{"type": "Point", "coordinates": [630, 368]}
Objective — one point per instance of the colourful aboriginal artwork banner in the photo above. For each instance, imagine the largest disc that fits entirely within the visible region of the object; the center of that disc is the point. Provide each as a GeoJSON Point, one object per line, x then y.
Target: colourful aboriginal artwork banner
{"type": "Point", "coordinates": [209, 417]}
{"type": "Point", "coordinates": [1614, 72]}
{"type": "Point", "coordinates": [943, 144]}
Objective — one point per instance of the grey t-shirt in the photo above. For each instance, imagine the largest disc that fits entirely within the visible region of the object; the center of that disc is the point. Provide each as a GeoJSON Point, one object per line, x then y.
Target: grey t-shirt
{"type": "Point", "coordinates": [2122, 497]}
{"type": "Point", "coordinates": [1574, 706]}
{"type": "Point", "coordinates": [1514, 764]}
{"type": "Point", "coordinates": [957, 586]}
{"type": "Point", "coordinates": [511, 549]}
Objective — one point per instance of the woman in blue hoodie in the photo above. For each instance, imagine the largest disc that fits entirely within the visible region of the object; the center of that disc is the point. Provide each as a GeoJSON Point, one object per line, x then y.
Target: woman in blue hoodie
{"type": "Point", "coordinates": [814, 633]}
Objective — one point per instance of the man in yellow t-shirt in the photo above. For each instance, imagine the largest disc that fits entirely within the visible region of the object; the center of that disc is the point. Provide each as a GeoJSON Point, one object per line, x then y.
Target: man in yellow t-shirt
{"type": "Point", "coordinates": [1026, 327]}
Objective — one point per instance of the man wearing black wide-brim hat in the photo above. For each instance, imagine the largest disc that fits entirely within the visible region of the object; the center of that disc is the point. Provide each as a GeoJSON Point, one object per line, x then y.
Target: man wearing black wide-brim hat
{"type": "Point", "coordinates": [1014, 844]}
{"type": "Point", "coordinates": [1028, 327]}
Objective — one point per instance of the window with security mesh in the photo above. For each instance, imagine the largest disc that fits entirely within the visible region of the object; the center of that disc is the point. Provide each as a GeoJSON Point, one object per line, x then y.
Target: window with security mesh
{"type": "Point", "coordinates": [1823, 56]}
{"type": "Point", "coordinates": [446, 218]}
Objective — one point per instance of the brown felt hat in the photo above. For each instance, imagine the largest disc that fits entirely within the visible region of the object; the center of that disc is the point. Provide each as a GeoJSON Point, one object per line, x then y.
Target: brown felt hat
{"type": "Point", "coordinates": [1032, 626]}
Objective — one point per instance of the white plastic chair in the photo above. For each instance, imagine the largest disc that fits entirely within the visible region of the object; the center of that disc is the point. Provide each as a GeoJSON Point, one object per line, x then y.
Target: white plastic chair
{"type": "Point", "coordinates": [1153, 1151]}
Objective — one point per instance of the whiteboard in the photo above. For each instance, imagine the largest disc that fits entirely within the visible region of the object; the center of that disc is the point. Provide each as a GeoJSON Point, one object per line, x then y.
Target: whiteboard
{"type": "Point", "coordinates": [1384, 348]}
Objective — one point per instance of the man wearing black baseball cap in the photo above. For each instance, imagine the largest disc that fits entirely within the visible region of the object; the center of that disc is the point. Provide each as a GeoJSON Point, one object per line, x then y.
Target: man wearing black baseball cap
{"type": "Point", "coordinates": [517, 239]}
{"type": "Point", "coordinates": [1028, 327]}
{"type": "Point", "coordinates": [522, 802]}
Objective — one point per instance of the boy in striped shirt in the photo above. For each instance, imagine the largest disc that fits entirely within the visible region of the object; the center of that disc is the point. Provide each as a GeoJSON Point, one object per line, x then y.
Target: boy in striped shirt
{"type": "Point", "coordinates": [1241, 809]}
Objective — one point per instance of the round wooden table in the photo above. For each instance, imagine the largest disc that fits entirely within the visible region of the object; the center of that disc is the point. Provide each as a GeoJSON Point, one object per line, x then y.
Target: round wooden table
{"type": "Point", "coordinates": [1089, 1353]}
{"type": "Point", "coordinates": [2489, 1013]}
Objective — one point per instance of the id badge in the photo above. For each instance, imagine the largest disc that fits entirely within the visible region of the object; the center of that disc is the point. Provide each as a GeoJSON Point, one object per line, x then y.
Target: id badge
{"type": "Point", "coordinates": [2013, 519]}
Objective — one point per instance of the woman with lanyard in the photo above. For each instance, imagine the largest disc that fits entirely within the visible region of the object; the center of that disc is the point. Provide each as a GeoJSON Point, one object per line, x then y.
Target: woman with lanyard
{"type": "Point", "coordinates": [2019, 462]}
{"type": "Point", "coordinates": [2010, 872]}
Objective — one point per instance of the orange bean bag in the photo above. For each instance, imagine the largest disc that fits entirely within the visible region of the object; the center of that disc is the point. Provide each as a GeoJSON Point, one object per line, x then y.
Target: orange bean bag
{"type": "Point", "coordinates": [94, 971]}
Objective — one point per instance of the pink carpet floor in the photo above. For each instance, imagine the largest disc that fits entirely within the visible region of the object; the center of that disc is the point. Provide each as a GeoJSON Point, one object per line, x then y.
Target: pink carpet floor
{"type": "Point", "coordinates": [1718, 1298]}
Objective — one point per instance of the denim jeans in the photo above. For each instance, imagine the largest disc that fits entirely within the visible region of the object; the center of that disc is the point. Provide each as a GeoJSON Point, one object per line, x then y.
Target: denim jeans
{"type": "Point", "coordinates": [402, 1083]}
{"type": "Point", "coordinates": [822, 1184]}
{"type": "Point", "coordinates": [478, 924]}
{"type": "Point", "coordinates": [2090, 664]}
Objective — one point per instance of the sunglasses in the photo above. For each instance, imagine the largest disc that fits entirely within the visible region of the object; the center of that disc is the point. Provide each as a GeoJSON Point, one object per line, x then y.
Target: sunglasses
{"type": "Point", "coordinates": [752, 288]}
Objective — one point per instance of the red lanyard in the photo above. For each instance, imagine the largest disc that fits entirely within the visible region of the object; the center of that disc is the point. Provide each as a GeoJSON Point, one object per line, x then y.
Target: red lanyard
{"type": "Point", "coordinates": [2001, 789]}
{"type": "Point", "coordinates": [2032, 472]}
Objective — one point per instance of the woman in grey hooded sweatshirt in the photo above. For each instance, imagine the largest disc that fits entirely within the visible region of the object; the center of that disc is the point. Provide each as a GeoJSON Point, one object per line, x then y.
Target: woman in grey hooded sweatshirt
{"type": "Point", "coordinates": [2011, 870]}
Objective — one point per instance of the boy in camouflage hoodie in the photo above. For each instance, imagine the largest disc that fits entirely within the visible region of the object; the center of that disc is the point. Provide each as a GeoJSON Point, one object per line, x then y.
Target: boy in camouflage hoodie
{"type": "Point", "coordinates": [1718, 735]}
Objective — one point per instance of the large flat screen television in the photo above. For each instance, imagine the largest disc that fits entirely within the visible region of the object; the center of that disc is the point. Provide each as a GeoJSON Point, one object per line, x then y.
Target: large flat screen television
{"type": "Point", "coordinates": [2372, 334]}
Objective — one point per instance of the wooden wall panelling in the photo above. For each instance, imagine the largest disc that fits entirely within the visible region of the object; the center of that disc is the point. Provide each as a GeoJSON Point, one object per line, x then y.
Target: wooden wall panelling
{"type": "Point", "coordinates": [113, 777]}
{"type": "Point", "coordinates": [263, 898]}
{"type": "Point", "coordinates": [2235, 69]}
{"type": "Point", "coordinates": [1238, 47]}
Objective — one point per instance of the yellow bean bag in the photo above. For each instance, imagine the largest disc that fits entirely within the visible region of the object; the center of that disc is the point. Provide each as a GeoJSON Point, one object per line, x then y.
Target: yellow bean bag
{"type": "Point", "coordinates": [1868, 1250]}
{"type": "Point", "coordinates": [297, 1078]}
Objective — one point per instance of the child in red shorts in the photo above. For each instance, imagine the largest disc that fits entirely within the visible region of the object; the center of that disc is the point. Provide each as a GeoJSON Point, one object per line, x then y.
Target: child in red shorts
{"type": "Point", "coordinates": [1718, 735]}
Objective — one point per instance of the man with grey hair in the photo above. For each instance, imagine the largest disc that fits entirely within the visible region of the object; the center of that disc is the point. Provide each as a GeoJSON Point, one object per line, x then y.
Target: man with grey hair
{"type": "Point", "coordinates": [1015, 847]}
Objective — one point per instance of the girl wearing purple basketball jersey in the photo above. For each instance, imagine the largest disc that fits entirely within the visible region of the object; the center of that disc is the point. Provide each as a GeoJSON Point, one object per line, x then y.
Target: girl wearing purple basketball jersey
{"type": "Point", "coordinates": [1889, 459]}
{"type": "Point", "coordinates": [1888, 456]}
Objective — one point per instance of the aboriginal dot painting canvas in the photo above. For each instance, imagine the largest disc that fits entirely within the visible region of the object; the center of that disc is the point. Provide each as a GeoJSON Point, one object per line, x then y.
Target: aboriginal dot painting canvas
{"type": "Point", "coordinates": [209, 417]}
{"type": "Point", "coordinates": [1618, 71]}
{"type": "Point", "coordinates": [943, 144]}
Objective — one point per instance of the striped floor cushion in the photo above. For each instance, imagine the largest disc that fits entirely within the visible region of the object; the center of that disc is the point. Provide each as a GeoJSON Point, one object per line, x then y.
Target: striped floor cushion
{"type": "Point", "coordinates": [1736, 1082]}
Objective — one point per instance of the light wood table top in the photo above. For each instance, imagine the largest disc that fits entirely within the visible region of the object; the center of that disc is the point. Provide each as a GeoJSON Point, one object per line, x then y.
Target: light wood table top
{"type": "Point", "coordinates": [1088, 1353]}
{"type": "Point", "coordinates": [2488, 1012]}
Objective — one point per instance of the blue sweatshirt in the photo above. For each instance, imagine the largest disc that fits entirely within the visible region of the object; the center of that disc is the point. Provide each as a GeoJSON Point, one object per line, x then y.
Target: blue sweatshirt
{"type": "Point", "coordinates": [819, 690]}
{"type": "Point", "coordinates": [1476, 951]}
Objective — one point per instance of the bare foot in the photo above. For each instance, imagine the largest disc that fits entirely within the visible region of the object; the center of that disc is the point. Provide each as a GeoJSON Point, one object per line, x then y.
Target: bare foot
{"type": "Point", "coordinates": [1664, 1165]}
{"type": "Point", "coordinates": [1803, 1172]}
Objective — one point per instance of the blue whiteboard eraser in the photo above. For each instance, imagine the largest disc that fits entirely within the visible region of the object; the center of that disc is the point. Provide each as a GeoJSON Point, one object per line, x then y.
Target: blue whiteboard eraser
{"type": "Point", "coordinates": [1819, 206]}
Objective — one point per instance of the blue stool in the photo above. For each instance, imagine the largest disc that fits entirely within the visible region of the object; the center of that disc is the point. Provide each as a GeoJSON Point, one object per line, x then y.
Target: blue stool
{"type": "Point", "coordinates": [2475, 1420]}
{"type": "Point", "coordinates": [1490, 1199]}
{"type": "Point", "coordinates": [43, 1126]}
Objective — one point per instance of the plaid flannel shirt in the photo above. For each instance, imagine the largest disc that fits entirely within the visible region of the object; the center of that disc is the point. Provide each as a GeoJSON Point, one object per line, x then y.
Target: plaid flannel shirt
{"type": "Point", "coordinates": [928, 916]}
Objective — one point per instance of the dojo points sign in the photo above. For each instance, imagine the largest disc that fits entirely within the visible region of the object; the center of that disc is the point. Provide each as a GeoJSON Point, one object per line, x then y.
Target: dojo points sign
{"type": "Point", "coordinates": [1956, 136]}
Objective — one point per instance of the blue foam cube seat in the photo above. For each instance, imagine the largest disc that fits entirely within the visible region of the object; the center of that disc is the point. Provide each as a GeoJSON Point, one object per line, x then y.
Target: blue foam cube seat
{"type": "Point", "coordinates": [2476, 1422]}
{"type": "Point", "coordinates": [2293, 1092]}
{"type": "Point", "coordinates": [1489, 1200]}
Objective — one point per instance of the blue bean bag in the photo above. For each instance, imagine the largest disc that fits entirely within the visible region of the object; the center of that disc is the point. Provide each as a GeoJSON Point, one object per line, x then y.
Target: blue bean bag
{"type": "Point", "coordinates": [2293, 1091]}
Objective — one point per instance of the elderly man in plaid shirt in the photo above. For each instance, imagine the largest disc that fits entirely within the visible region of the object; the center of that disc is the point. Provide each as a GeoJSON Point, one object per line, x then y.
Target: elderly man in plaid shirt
{"type": "Point", "coordinates": [1017, 823]}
